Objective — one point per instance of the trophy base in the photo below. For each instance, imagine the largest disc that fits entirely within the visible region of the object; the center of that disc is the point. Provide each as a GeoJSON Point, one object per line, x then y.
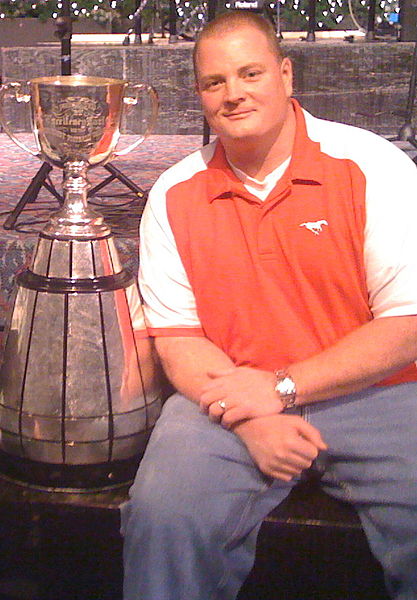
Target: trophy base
{"type": "Point", "coordinates": [68, 478]}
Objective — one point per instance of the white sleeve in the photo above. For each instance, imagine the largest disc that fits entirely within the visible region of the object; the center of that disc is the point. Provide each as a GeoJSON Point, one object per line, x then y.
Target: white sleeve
{"type": "Point", "coordinates": [391, 233]}
{"type": "Point", "coordinates": [169, 303]}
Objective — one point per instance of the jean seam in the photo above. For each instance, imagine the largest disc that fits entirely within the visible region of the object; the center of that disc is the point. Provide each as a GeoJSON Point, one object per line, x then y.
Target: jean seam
{"type": "Point", "coordinates": [305, 414]}
{"type": "Point", "coordinates": [233, 535]}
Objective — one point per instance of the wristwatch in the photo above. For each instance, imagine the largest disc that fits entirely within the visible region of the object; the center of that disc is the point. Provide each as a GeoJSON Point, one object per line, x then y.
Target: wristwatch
{"type": "Point", "coordinates": [285, 388]}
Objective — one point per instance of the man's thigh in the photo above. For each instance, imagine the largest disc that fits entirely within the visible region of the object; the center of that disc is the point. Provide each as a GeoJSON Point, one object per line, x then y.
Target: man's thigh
{"type": "Point", "coordinates": [205, 469]}
{"type": "Point", "coordinates": [371, 439]}
{"type": "Point", "coordinates": [372, 462]}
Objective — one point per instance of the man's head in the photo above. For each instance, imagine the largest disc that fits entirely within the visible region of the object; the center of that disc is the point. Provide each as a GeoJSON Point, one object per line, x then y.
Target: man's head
{"type": "Point", "coordinates": [243, 81]}
{"type": "Point", "coordinates": [231, 20]}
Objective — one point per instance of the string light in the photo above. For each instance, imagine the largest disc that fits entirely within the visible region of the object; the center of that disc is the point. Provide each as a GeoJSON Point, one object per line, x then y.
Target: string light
{"type": "Point", "coordinates": [329, 13]}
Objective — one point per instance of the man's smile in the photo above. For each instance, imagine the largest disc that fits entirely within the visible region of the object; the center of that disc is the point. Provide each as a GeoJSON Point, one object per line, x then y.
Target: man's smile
{"type": "Point", "coordinates": [239, 114]}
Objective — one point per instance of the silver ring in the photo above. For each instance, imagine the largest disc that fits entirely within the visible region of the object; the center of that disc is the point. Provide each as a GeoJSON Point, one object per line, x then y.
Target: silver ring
{"type": "Point", "coordinates": [222, 404]}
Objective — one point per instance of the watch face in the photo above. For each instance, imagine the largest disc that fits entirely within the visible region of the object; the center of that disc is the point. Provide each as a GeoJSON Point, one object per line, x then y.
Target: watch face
{"type": "Point", "coordinates": [286, 386]}
{"type": "Point", "coordinates": [286, 389]}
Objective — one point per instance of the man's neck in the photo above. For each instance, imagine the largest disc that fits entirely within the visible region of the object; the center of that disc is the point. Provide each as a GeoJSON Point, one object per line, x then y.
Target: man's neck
{"type": "Point", "coordinates": [259, 159]}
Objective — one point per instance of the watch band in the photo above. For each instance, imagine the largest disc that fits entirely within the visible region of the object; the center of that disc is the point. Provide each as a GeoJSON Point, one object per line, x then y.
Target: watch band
{"type": "Point", "coordinates": [286, 389]}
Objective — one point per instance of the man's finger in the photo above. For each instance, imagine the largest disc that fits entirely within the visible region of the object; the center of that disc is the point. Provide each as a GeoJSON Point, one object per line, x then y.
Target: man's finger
{"type": "Point", "coordinates": [311, 434]}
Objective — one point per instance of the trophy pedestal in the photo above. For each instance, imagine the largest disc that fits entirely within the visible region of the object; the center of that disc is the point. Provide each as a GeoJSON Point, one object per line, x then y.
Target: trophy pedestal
{"type": "Point", "coordinates": [78, 479]}
{"type": "Point", "coordinates": [78, 391]}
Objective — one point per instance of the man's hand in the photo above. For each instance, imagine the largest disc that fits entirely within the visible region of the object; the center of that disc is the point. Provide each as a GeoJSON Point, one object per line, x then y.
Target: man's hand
{"type": "Point", "coordinates": [244, 393]}
{"type": "Point", "coordinates": [281, 445]}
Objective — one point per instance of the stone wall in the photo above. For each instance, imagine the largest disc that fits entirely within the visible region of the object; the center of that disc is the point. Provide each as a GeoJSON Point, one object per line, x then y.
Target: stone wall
{"type": "Point", "coordinates": [363, 84]}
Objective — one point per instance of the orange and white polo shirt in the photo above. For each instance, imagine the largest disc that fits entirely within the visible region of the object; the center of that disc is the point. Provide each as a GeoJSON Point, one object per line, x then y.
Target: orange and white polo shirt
{"type": "Point", "coordinates": [274, 281]}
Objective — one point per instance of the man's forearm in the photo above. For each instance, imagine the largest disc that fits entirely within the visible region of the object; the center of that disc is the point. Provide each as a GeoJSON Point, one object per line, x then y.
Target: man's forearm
{"type": "Point", "coordinates": [364, 357]}
{"type": "Point", "coordinates": [188, 360]}
{"type": "Point", "coordinates": [205, 374]}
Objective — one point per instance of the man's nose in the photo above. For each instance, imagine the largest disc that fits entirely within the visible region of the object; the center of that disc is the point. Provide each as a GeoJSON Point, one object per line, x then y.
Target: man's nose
{"type": "Point", "coordinates": [234, 91]}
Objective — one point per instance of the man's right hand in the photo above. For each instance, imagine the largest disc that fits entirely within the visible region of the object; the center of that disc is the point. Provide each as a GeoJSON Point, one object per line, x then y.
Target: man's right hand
{"type": "Point", "coordinates": [281, 445]}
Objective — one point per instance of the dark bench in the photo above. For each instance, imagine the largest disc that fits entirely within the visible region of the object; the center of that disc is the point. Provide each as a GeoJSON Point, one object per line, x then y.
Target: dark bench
{"type": "Point", "coordinates": [59, 546]}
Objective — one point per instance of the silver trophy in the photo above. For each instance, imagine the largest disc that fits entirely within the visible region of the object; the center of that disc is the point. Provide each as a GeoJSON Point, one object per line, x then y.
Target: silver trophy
{"type": "Point", "coordinates": [79, 385]}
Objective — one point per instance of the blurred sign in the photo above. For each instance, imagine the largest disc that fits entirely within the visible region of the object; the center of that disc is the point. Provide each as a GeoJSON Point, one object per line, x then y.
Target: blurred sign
{"type": "Point", "coordinates": [248, 5]}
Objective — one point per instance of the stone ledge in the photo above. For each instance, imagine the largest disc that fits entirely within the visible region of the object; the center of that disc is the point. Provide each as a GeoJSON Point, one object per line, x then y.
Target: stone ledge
{"type": "Point", "coordinates": [363, 84]}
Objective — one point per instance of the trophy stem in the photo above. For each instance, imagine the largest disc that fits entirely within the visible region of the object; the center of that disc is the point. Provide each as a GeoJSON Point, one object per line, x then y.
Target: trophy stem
{"type": "Point", "coordinates": [76, 219]}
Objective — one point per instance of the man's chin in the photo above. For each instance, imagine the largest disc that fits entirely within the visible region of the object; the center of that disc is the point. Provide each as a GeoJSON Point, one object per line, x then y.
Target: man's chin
{"type": "Point", "coordinates": [240, 136]}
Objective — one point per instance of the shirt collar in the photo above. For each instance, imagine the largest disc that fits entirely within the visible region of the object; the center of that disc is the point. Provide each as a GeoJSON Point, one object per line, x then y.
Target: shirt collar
{"type": "Point", "coordinates": [222, 181]}
{"type": "Point", "coordinates": [305, 165]}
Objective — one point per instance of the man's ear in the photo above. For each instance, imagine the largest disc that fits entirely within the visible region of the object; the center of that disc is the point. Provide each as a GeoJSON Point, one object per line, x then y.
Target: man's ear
{"type": "Point", "coordinates": [287, 76]}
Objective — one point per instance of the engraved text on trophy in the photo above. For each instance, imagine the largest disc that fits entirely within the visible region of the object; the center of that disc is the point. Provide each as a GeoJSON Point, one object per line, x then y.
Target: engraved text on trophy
{"type": "Point", "coordinates": [73, 126]}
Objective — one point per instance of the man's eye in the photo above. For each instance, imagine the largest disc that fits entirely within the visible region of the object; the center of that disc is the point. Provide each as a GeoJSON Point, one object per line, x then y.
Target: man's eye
{"type": "Point", "coordinates": [253, 74]}
{"type": "Point", "coordinates": [213, 84]}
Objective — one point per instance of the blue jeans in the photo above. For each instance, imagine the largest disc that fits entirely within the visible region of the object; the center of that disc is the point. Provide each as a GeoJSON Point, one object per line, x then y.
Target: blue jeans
{"type": "Point", "coordinates": [198, 500]}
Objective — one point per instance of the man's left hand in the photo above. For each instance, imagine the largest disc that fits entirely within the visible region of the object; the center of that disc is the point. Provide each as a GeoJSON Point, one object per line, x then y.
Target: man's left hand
{"type": "Point", "coordinates": [239, 393]}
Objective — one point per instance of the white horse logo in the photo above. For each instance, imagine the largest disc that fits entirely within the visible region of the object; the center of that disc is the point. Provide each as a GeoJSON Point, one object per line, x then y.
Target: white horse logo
{"type": "Point", "coordinates": [314, 226]}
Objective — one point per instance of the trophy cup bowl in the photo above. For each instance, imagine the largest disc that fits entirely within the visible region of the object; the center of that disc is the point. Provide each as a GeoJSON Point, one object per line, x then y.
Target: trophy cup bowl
{"type": "Point", "coordinates": [79, 385]}
{"type": "Point", "coordinates": [76, 123]}
{"type": "Point", "coordinates": [77, 117]}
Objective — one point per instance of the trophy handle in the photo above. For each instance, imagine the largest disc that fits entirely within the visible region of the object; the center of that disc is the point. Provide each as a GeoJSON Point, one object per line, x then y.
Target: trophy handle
{"type": "Point", "coordinates": [19, 96]}
{"type": "Point", "coordinates": [132, 101]}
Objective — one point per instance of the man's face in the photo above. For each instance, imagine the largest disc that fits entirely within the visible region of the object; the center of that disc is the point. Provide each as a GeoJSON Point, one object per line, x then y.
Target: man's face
{"type": "Point", "coordinates": [243, 87]}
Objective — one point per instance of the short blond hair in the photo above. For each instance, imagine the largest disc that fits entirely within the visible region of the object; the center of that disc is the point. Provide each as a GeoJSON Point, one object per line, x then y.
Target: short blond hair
{"type": "Point", "coordinates": [238, 19]}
